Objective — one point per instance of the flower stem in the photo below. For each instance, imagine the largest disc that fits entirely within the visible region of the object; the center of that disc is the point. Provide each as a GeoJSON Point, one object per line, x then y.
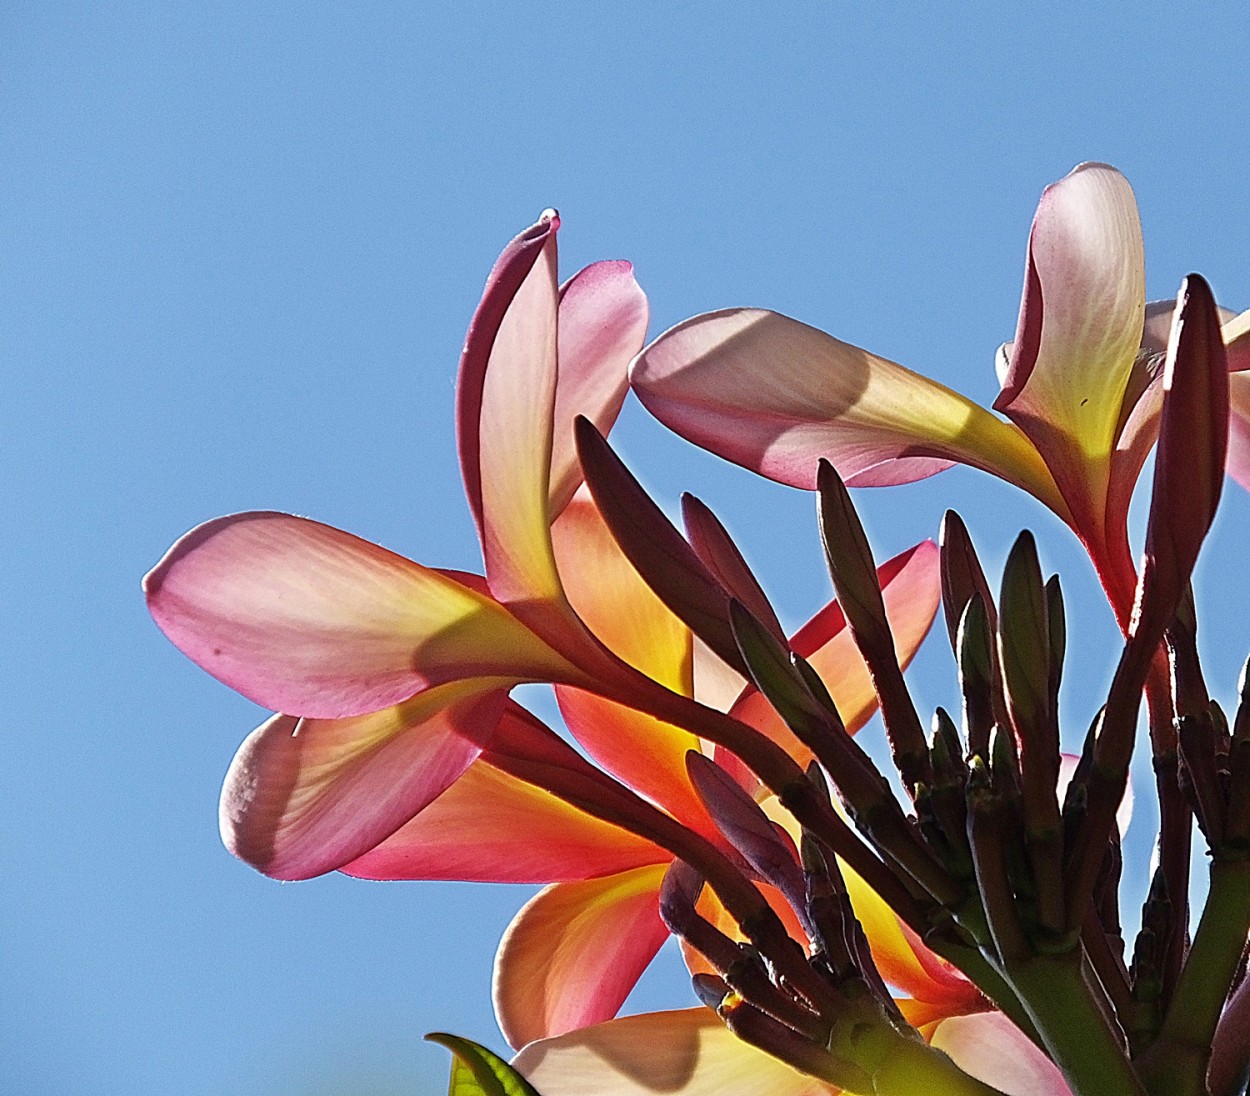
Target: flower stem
{"type": "Point", "coordinates": [1075, 1029]}
{"type": "Point", "coordinates": [1176, 1063]}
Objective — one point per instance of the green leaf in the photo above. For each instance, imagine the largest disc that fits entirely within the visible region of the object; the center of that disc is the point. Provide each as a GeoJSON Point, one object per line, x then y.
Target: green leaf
{"type": "Point", "coordinates": [476, 1071]}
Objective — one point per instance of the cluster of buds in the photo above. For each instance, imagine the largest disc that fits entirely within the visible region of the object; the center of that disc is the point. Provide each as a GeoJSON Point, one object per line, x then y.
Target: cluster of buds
{"type": "Point", "coordinates": [995, 867]}
{"type": "Point", "coordinates": [396, 738]}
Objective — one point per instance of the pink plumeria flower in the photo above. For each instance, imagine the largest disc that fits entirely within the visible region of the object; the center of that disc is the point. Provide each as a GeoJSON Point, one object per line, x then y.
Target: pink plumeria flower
{"type": "Point", "coordinates": [392, 678]}
{"type": "Point", "coordinates": [391, 675]}
{"type": "Point", "coordinates": [1080, 384]}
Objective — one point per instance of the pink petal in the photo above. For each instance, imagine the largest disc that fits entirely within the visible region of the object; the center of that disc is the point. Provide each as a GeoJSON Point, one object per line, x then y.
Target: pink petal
{"type": "Point", "coordinates": [683, 1053]}
{"type": "Point", "coordinates": [303, 797]}
{"type": "Point", "coordinates": [490, 827]}
{"type": "Point", "coordinates": [306, 619]}
{"type": "Point", "coordinates": [992, 1049]}
{"type": "Point", "coordinates": [775, 395]}
{"type": "Point", "coordinates": [505, 403]}
{"type": "Point", "coordinates": [1143, 400]}
{"type": "Point", "coordinates": [1236, 333]}
{"type": "Point", "coordinates": [603, 322]}
{"type": "Point", "coordinates": [1081, 322]}
{"type": "Point", "coordinates": [573, 953]}
{"type": "Point", "coordinates": [1239, 428]}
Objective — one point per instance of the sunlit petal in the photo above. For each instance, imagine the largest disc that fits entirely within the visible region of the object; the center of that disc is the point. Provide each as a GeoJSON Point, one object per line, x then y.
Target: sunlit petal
{"type": "Point", "coordinates": [621, 610]}
{"type": "Point", "coordinates": [603, 322]}
{"type": "Point", "coordinates": [991, 1048]}
{"type": "Point", "coordinates": [683, 1053]}
{"type": "Point", "coordinates": [1239, 428]}
{"type": "Point", "coordinates": [303, 797]}
{"type": "Point", "coordinates": [490, 827]}
{"type": "Point", "coordinates": [1081, 320]}
{"type": "Point", "coordinates": [573, 953]}
{"type": "Point", "coordinates": [904, 961]}
{"type": "Point", "coordinates": [504, 407]}
{"type": "Point", "coordinates": [775, 395]}
{"type": "Point", "coordinates": [306, 619]}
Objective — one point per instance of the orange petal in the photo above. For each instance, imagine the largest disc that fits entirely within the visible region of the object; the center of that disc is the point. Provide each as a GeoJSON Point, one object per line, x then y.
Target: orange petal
{"type": "Point", "coordinates": [573, 953]}
{"type": "Point", "coordinates": [490, 827]}
{"type": "Point", "coordinates": [618, 607]}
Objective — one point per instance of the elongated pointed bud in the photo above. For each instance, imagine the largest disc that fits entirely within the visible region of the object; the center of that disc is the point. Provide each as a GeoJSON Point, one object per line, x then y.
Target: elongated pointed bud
{"type": "Point", "coordinates": [763, 845]}
{"type": "Point", "coordinates": [975, 658]}
{"type": "Point", "coordinates": [1057, 630]}
{"type": "Point", "coordinates": [657, 550]}
{"type": "Point", "coordinates": [1189, 464]}
{"type": "Point", "coordinates": [962, 575]}
{"type": "Point", "coordinates": [720, 555]}
{"type": "Point", "coordinates": [711, 990]}
{"type": "Point", "coordinates": [859, 594]}
{"type": "Point", "coordinates": [769, 666]}
{"type": "Point", "coordinates": [1024, 638]}
{"type": "Point", "coordinates": [1189, 473]}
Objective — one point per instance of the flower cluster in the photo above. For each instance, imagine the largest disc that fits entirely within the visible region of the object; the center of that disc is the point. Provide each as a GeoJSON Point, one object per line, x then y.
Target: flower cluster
{"type": "Point", "coordinates": [966, 940]}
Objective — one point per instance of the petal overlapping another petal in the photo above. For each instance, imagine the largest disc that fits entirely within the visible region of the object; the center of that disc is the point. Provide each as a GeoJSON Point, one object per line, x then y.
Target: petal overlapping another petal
{"type": "Point", "coordinates": [574, 951]}
{"type": "Point", "coordinates": [688, 1052]}
{"type": "Point", "coordinates": [775, 395]}
{"type": "Point", "coordinates": [1081, 321]}
{"type": "Point", "coordinates": [303, 797]}
{"type": "Point", "coordinates": [623, 612]}
{"type": "Point", "coordinates": [992, 1049]}
{"type": "Point", "coordinates": [490, 827]}
{"type": "Point", "coordinates": [603, 323]}
{"type": "Point", "coordinates": [309, 620]}
{"type": "Point", "coordinates": [1236, 334]}
{"type": "Point", "coordinates": [504, 408]}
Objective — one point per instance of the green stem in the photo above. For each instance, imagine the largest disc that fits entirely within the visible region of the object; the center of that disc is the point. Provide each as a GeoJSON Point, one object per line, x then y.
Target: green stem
{"type": "Point", "coordinates": [1176, 1064]}
{"type": "Point", "coordinates": [1077, 1033]}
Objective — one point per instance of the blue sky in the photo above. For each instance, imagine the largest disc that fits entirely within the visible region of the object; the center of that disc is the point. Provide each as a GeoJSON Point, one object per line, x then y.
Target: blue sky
{"type": "Point", "coordinates": [240, 245]}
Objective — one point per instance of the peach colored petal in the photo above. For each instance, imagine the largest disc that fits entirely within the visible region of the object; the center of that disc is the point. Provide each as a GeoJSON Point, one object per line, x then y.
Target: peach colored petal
{"type": "Point", "coordinates": [573, 953]}
{"type": "Point", "coordinates": [306, 619]}
{"type": "Point", "coordinates": [991, 1048]}
{"type": "Point", "coordinates": [1081, 323]}
{"type": "Point", "coordinates": [682, 1053]}
{"type": "Point", "coordinates": [775, 395]}
{"type": "Point", "coordinates": [618, 607]}
{"type": "Point", "coordinates": [490, 827]}
{"type": "Point", "coordinates": [303, 797]}
{"type": "Point", "coordinates": [514, 427]}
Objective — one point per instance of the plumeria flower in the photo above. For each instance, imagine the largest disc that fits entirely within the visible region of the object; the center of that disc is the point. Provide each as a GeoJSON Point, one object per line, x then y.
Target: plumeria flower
{"type": "Point", "coordinates": [574, 952]}
{"type": "Point", "coordinates": [1081, 386]}
{"type": "Point", "coordinates": [390, 676]}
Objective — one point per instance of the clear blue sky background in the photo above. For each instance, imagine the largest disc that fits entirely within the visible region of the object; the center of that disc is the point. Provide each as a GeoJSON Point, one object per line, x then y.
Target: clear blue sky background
{"type": "Point", "coordinates": [239, 245]}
